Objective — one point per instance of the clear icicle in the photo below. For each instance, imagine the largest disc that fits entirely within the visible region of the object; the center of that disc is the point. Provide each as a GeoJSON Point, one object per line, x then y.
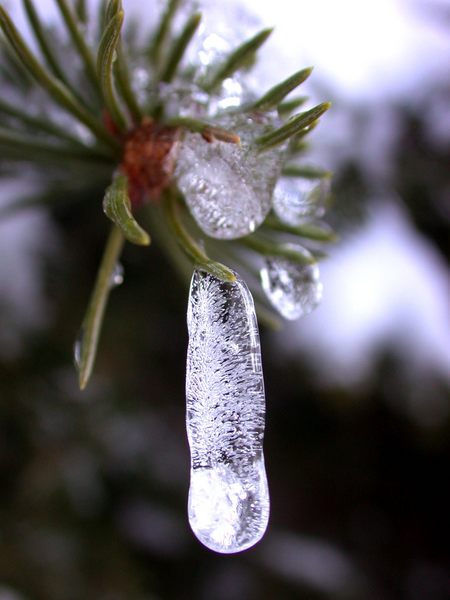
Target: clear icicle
{"type": "Point", "coordinates": [298, 200]}
{"type": "Point", "coordinates": [228, 496]}
{"type": "Point", "coordinates": [228, 187]}
{"type": "Point", "coordinates": [293, 289]}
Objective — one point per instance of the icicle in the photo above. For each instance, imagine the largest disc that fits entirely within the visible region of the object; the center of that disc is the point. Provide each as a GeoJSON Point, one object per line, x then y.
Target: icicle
{"type": "Point", "coordinates": [298, 200]}
{"type": "Point", "coordinates": [228, 187]}
{"type": "Point", "coordinates": [228, 496]}
{"type": "Point", "coordinates": [293, 289]}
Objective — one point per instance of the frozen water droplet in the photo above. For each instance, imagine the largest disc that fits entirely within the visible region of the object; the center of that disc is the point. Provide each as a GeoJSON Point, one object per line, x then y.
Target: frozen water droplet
{"type": "Point", "coordinates": [77, 348]}
{"type": "Point", "coordinates": [228, 497]}
{"type": "Point", "coordinates": [182, 100]}
{"type": "Point", "coordinates": [141, 82]}
{"type": "Point", "coordinates": [298, 200]}
{"type": "Point", "coordinates": [117, 275]}
{"type": "Point", "coordinates": [232, 93]}
{"type": "Point", "coordinates": [228, 187]}
{"type": "Point", "coordinates": [292, 288]}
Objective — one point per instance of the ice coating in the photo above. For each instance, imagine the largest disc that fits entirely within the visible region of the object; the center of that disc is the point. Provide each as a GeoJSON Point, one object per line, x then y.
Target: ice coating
{"type": "Point", "coordinates": [228, 497]}
{"type": "Point", "coordinates": [293, 289]}
{"type": "Point", "coordinates": [228, 187]}
{"type": "Point", "coordinates": [296, 200]}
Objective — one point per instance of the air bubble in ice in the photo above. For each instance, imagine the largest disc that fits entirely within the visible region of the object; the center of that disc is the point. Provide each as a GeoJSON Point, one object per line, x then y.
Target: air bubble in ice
{"type": "Point", "coordinates": [293, 289]}
{"type": "Point", "coordinates": [228, 497]}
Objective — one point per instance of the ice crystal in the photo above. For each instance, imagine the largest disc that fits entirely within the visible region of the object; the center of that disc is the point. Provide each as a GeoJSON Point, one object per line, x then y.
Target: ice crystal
{"type": "Point", "coordinates": [294, 289]}
{"type": "Point", "coordinates": [228, 496]}
{"type": "Point", "coordinates": [298, 200]}
{"type": "Point", "coordinates": [228, 187]}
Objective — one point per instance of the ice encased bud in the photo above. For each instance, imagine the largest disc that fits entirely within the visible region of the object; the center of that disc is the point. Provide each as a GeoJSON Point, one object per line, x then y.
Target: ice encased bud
{"type": "Point", "coordinates": [297, 200]}
{"type": "Point", "coordinates": [294, 289]}
{"type": "Point", "coordinates": [228, 187]}
{"type": "Point", "coordinates": [228, 497]}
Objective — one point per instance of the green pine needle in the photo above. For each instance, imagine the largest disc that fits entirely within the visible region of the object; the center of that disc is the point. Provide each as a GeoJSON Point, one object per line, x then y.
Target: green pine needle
{"type": "Point", "coordinates": [238, 59]}
{"type": "Point", "coordinates": [17, 145]}
{"type": "Point", "coordinates": [79, 41]}
{"type": "Point", "coordinates": [291, 128]}
{"type": "Point", "coordinates": [105, 59]}
{"type": "Point", "coordinates": [41, 38]}
{"type": "Point", "coordinates": [117, 207]}
{"type": "Point", "coordinates": [268, 248]}
{"type": "Point", "coordinates": [275, 95]}
{"type": "Point", "coordinates": [179, 47]}
{"type": "Point", "coordinates": [319, 232]}
{"type": "Point", "coordinates": [161, 35]}
{"type": "Point", "coordinates": [87, 341]}
{"type": "Point", "coordinates": [206, 129]}
{"type": "Point", "coordinates": [55, 88]}
{"type": "Point", "coordinates": [188, 244]}
{"type": "Point", "coordinates": [287, 107]}
{"type": "Point", "coordinates": [306, 172]}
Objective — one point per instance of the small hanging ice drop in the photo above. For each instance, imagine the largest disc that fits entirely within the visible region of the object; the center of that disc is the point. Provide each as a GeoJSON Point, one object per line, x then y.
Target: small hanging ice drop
{"type": "Point", "coordinates": [228, 497]}
{"type": "Point", "coordinates": [296, 201]}
{"type": "Point", "coordinates": [294, 289]}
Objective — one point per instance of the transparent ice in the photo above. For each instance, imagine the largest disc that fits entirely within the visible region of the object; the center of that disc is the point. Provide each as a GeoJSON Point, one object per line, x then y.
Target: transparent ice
{"type": "Point", "coordinates": [117, 276]}
{"type": "Point", "coordinates": [293, 289]}
{"type": "Point", "coordinates": [228, 187]}
{"type": "Point", "coordinates": [77, 346]}
{"type": "Point", "coordinates": [228, 497]}
{"type": "Point", "coordinates": [296, 200]}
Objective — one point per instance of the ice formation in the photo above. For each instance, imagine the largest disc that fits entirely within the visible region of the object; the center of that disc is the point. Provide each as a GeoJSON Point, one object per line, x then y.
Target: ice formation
{"type": "Point", "coordinates": [228, 497]}
{"type": "Point", "coordinates": [228, 187]}
{"type": "Point", "coordinates": [294, 289]}
{"type": "Point", "coordinates": [297, 200]}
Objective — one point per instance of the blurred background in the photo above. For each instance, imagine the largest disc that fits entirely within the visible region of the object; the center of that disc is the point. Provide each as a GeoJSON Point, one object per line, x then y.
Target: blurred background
{"type": "Point", "coordinates": [93, 485]}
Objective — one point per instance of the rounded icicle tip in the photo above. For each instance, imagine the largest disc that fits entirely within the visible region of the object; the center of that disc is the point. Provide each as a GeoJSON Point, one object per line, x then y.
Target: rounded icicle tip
{"type": "Point", "coordinates": [228, 504]}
